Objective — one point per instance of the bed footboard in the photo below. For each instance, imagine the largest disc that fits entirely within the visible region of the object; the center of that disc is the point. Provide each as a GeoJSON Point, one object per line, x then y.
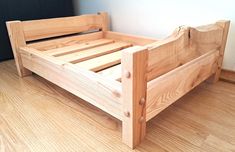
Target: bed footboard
{"type": "Point", "coordinates": [155, 76]}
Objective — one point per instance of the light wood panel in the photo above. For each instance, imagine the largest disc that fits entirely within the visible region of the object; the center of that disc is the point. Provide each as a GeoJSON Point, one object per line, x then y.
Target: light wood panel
{"type": "Point", "coordinates": [80, 82]}
{"type": "Point", "coordinates": [77, 47]}
{"type": "Point", "coordinates": [37, 116]}
{"type": "Point", "coordinates": [105, 21]}
{"type": "Point", "coordinates": [46, 28]}
{"type": "Point", "coordinates": [113, 72]}
{"type": "Point", "coordinates": [102, 62]}
{"type": "Point", "coordinates": [170, 53]}
{"type": "Point", "coordinates": [225, 25]}
{"type": "Point", "coordinates": [166, 89]}
{"type": "Point", "coordinates": [94, 52]}
{"type": "Point", "coordinates": [134, 87]}
{"type": "Point", "coordinates": [65, 41]}
{"type": "Point", "coordinates": [17, 39]}
{"type": "Point", "coordinates": [136, 40]}
{"type": "Point", "coordinates": [184, 45]}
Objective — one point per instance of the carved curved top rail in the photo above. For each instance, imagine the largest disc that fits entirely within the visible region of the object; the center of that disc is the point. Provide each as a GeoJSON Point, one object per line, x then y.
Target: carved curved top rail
{"type": "Point", "coordinates": [185, 44]}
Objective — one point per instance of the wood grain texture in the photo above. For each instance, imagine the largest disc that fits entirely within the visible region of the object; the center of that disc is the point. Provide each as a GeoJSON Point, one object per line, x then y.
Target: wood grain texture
{"type": "Point", "coordinates": [134, 87]}
{"type": "Point", "coordinates": [167, 88]}
{"type": "Point", "coordinates": [17, 40]}
{"type": "Point", "coordinates": [136, 40]}
{"type": "Point", "coordinates": [225, 26]}
{"type": "Point", "coordinates": [80, 82]}
{"type": "Point", "coordinates": [114, 72]}
{"type": "Point", "coordinates": [36, 115]}
{"type": "Point", "coordinates": [77, 47]}
{"type": "Point", "coordinates": [184, 45]}
{"type": "Point", "coordinates": [94, 52]}
{"type": "Point", "coordinates": [47, 28]}
{"type": "Point", "coordinates": [56, 43]}
{"type": "Point", "coordinates": [105, 21]}
{"type": "Point", "coordinates": [102, 62]}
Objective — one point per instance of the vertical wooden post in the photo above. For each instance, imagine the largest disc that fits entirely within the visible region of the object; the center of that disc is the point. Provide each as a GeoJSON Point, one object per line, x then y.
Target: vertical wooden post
{"type": "Point", "coordinates": [134, 87]}
{"type": "Point", "coordinates": [105, 24]}
{"type": "Point", "coordinates": [17, 39]}
{"type": "Point", "coordinates": [225, 26]}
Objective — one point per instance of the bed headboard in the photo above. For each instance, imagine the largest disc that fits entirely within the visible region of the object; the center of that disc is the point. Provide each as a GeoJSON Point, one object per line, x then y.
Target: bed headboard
{"type": "Point", "coordinates": [48, 28]}
{"type": "Point", "coordinates": [21, 32]}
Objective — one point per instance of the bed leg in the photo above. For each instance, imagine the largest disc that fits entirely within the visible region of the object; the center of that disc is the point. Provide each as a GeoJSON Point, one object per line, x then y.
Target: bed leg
{"type": "Point", "coordinates": [105, 22]}
{"type": "Point", "coordinates": [134, 86]}
{"type": "Point", "coordinates": [225, 25]}
{"type": "Point", "coordinates": [17, 39]}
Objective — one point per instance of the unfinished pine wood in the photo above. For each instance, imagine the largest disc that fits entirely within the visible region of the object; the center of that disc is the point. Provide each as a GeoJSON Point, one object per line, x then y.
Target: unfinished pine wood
{"type": "Point", "coordinates": [171, 67]}
{"type": "Point", "coordinates": [35, 116]}
{"type": "Point", "coordinates": [77, 47]}
{"type": "Point", "coordinates": [113, 72]}
{"type": "Point", "coordinates": [134, 87]}
{"type": "Point", "coordinates": [17, 39]}
{"type": "Point", "coordinates": [65, 41]}
{"type": "Point", "coordinates": [80, 82]}
{"type": "Point", "coordinates": [206, 37]}
{"type": "Point", "coordinates": [184, 45]}
{"type": "Point", "coordinates": [105, 21]}
{"type": "Point", "coordinates": [46, 28]}
{"type": "Point", "coordinates": [94, 52]}
{"type": "Point", "coordinates": [170, 53]}
{"type": "Point", "coordinates": [225, 25]}
{"type": "Point", "coordinates": [176, 83]}
{"type": "Point", "coordinates": [136, 40]}
{"type": "Point", "coordinates": [102, 62]}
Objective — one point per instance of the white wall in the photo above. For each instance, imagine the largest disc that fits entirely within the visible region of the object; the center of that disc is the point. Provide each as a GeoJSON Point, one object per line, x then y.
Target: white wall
{"type": "Point", "coordinates": [158, 18]}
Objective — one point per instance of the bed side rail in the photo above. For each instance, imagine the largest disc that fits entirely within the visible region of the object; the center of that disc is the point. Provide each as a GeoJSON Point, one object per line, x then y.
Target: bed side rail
{"type": "Point", "coordinates": [103, 93]}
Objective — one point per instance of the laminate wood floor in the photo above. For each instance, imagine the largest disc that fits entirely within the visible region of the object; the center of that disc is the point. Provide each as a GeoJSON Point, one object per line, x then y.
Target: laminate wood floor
{"type": "Point", "coordinates": [37, 116]}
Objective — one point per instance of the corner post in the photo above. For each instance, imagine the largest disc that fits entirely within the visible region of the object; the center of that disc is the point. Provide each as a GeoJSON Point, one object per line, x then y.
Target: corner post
{"type": "Point", "coordinates": [225, 26]}
{"type": "Point", "coordinates": [105, 22]}
{"type": "Point", "coordinates": [17, 40]}
{"type": "Point", "coordinates": [134, 87]}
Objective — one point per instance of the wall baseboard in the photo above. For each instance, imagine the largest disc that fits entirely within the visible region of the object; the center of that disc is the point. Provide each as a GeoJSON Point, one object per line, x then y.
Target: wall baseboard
{"type": "Point", "coordinates": [227, 75]}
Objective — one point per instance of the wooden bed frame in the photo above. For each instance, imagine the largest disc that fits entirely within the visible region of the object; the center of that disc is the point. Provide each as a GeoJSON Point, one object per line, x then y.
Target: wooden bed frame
{"type": "Point", "coordinates": [132, 78]}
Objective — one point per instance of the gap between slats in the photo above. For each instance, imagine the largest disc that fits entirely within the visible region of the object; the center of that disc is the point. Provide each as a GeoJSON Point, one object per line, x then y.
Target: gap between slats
{"type": "Point", "coordinates": [102, 62]}
{"type": "Point", "coordinates": [113, 72]}
{"type": "Point", "coordinates": [77, 47]}
{"type": "Point", "coordinates": [94, 52]}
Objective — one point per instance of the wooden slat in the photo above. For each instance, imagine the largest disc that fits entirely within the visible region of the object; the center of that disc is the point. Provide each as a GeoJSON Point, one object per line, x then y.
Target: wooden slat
{"type": "Point", "coordinates": [136, 40]}
{"type": "Point", "coordinates": [65, 41]}
{"type": "Point", "coordinates": [166, 89]}
{"type": "Point", "coordinates": [101, 62]}
{"type": "Point", "coordinates": [134, 87]}
{"type": "Point", "coordinates": [94, 52]}
{"type": "Point", "coordinates": [46, 28]}
{"type": "Point", "coordinates": [102, 93]}
{"type": "Point", "coordinates": [77, 47]}
{"type": "Point", "coordinates": [113, 72]}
